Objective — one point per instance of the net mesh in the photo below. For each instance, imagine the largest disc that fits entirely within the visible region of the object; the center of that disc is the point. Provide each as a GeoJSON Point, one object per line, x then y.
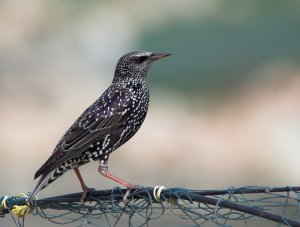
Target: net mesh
{"type": "Point", "coordinates": [246, 206]}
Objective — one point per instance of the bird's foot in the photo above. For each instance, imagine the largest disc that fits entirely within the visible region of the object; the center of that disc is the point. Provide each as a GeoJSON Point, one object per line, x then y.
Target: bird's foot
{"type": "Point", "coordinates": [128, 191]}
{"type": "Point", "coordinates": [85, 192]}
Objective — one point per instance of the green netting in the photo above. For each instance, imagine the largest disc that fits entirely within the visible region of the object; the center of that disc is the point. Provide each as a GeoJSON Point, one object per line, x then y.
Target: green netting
{"type": "Point", "coordinates": [231, 207]}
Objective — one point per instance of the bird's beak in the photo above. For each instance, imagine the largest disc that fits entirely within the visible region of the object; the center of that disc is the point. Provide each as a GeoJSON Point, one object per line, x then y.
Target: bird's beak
{"type": "Point", "coordinates": [157, 56]}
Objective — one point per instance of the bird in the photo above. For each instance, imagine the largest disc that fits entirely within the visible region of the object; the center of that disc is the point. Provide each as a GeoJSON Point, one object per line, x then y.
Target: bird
{"type": "Point", "coordinates": [104, 126]}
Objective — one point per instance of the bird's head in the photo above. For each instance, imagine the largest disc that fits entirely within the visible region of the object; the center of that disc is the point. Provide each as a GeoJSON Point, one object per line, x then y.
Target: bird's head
{"type": "Point", "coordinates": [136, 64]}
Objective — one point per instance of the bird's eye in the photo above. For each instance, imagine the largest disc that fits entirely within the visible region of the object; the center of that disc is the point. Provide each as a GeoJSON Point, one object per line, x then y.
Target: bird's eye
{"type": "Point", "coordinates": [141, 59]}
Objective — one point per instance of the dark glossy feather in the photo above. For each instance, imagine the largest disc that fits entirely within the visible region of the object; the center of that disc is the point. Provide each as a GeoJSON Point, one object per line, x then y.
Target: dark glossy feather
{"type": "Point", "coordinates": [103, 117]}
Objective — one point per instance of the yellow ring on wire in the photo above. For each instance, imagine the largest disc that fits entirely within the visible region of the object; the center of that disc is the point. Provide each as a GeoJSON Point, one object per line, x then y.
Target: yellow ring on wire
{"type": "Point", "coordinates": [3, 203]}
{"type": "Point", "coordinates": [157, 192]}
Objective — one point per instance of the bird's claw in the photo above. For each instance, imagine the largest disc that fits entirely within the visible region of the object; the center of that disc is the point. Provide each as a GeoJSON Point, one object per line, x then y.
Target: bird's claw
{"type": "Point", "coordinates": [125, 198]}
{"type": "Point", "coordinates": [128, 191]}
{"type": "Point", "coordinates": [84, 195]}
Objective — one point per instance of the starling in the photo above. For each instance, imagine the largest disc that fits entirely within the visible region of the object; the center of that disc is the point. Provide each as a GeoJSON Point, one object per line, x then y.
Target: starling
{"type": "Point", "coordinates": [104, 126]}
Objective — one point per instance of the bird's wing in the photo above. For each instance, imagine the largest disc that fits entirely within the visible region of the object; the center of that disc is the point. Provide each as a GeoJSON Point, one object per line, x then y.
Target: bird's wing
{"type": "Point", "coordinates": [103, 117]}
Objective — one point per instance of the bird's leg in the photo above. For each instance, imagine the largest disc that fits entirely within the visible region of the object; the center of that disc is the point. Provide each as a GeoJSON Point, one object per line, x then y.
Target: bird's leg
{"type": "Point", "coordinates": [85, 188]}
{"type": "Point", "coordinates": [103, 169]}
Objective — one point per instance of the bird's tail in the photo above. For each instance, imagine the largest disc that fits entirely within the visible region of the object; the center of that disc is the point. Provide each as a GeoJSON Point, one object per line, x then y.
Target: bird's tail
{"type": "Point", "coordinates": [43, 182]}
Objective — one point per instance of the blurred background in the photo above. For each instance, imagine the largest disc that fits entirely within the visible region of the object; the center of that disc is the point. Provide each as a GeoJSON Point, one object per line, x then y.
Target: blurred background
{"type": "Point", "coordinates": [224, 111]}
